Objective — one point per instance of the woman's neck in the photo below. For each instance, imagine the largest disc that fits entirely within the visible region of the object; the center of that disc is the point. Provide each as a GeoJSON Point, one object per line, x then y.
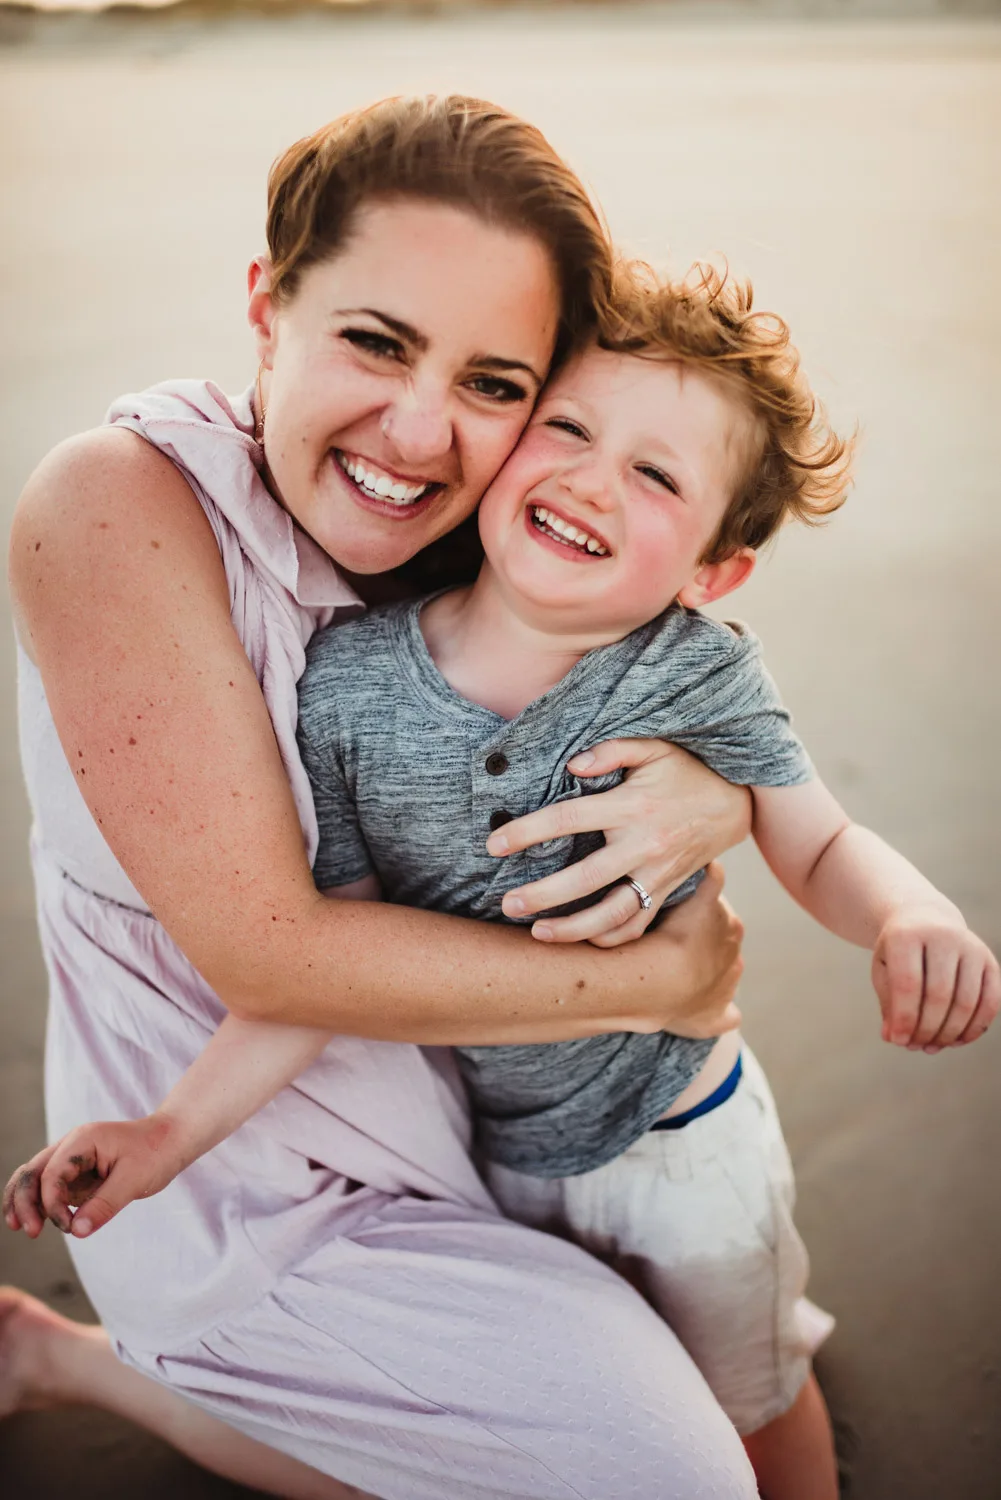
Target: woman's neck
{"type": "Point", "coordinates": [491, 653]}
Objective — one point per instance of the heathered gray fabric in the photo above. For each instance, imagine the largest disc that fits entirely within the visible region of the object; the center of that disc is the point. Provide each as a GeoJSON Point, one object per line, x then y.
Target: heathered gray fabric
{"type": "Point", "coordinates": [398, 763]}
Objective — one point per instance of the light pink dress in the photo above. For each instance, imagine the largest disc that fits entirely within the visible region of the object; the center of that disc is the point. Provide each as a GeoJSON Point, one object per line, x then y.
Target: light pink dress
{"type": "Point", "coordinates": [334, 1279]}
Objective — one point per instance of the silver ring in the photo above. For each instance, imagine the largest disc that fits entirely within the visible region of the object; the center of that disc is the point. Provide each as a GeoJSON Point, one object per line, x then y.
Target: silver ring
{"type": "Point", "coordinates": [645, 900]}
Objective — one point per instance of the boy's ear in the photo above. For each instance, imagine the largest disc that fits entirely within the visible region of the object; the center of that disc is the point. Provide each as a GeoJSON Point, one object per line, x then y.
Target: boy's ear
{"type": "Point", "coordinates": [716, 579]}
{"type": "Point", "coordinates": [260, 306]}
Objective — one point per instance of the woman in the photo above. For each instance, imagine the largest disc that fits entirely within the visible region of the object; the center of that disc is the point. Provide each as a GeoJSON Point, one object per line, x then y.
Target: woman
{"type": "Point", "coordinates": [330, 1299]}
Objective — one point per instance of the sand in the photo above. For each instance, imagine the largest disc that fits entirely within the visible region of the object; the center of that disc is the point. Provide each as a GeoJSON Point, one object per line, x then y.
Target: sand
{"type": "Point", "coordinates": [853, 171]}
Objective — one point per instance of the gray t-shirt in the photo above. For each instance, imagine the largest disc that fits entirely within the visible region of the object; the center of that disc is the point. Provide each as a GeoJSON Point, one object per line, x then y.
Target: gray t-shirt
{"type": "Point", "coordinates": [409, 779]}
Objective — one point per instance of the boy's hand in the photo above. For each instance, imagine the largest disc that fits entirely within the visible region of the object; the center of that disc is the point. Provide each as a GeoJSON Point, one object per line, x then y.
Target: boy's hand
{"type": "Point", "coordinates": [96, 1169]}
{"type": "Point", "coordinates": [938, 984]}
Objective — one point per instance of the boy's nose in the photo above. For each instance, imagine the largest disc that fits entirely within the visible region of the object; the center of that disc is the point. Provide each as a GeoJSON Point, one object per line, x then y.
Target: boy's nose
{"type": "Point", "coordinates": [592, 483]}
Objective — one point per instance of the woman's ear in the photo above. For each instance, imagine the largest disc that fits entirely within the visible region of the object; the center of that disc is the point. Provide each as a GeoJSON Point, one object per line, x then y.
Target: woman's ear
{"type": "Point", "coordinates": [716, 579]}
{"type": "Point", "coordinates": [260, 306]}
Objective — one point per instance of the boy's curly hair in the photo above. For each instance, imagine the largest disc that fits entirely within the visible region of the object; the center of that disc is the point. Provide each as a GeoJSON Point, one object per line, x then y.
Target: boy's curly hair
{"type": "Point", "coordinates": [795, 465]}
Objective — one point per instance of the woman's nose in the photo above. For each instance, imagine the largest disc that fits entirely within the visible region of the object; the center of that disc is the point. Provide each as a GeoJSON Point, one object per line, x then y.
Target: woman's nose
{"type": "Point", "coordinates": [419, 426]}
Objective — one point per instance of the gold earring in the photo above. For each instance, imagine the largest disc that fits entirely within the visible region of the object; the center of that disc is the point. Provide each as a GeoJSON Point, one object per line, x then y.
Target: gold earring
{"type": "Point", "coordinates": [262, 409]}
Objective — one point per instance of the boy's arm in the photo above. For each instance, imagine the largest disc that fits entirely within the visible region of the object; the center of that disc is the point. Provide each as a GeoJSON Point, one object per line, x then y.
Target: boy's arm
{"type": "Point", "coordinates": [938, 984]}
{"type": "Point", "coordinates": [100, 1168]}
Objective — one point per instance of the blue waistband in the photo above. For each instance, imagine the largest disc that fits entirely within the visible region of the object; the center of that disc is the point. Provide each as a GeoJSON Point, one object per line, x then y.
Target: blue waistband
{"type": "Point", "coordinates": [713, 1101]}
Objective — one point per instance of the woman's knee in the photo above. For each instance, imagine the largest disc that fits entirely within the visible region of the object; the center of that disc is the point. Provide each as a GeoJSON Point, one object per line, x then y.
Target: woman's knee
{"type": "Point", "coordinates": [685, 1449]}
{"type": "Point", "coordinates": [633, 1417]}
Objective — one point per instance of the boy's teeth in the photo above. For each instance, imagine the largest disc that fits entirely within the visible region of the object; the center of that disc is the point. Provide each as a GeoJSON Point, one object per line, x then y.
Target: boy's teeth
{"type": "Point", "coordinates": [545, 519]}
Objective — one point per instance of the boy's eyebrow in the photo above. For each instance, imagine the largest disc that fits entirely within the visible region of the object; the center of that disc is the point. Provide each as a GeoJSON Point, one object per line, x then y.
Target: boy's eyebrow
{"type": "Point", "coordinates": [417, 340]}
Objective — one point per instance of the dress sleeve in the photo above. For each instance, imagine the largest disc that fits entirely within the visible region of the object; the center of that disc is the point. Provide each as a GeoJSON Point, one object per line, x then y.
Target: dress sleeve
{"type": "Point", "coordinates": [342, 855]}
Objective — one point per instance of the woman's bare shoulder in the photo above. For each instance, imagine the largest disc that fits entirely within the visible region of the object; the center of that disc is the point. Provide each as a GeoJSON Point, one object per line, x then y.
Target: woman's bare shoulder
{"type": "Point", "coordinates": [94, 515]}
{"type": "Point", "coordinates": [107, 474]}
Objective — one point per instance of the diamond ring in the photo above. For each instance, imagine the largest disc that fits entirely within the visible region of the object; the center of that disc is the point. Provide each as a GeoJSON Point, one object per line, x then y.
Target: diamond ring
{"type": "Point", "coordinates": [642, 893]}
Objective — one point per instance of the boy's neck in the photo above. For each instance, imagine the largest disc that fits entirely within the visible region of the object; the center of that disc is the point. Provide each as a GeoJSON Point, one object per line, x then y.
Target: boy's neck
{"type": "Point", "coordinates": [494, 653]}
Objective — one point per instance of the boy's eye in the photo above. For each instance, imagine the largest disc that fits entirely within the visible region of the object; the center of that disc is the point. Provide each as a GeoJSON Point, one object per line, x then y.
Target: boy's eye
{"type": "Point", "coordinates": [659, 477]}
{"type": "Point", "coordinates": [567, 424]}
{"type": "Point", "coordinates": [496, 388]}
{"type": "Point", "coordinates": [379, 344]}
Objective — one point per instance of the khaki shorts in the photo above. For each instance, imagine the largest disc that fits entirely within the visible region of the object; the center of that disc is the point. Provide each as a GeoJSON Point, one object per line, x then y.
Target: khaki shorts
{"type": "Point", "coordinates": [700, 1220]}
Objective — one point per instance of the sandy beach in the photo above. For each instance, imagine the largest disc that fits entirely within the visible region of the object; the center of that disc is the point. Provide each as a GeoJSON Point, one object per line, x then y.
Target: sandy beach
{"type": "Point", "coordinates": [852, 171]}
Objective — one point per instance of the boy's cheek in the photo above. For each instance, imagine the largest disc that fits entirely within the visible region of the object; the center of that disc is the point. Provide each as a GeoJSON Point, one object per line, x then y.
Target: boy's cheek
{"type": "Point", "coordinates": [653, 574]}
{"type": "Point", "coordinates": [504, 501]}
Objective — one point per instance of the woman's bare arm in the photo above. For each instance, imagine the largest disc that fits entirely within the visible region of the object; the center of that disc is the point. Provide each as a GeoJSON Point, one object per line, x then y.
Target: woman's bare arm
{"type": "Point", "coordinates": [122, 601]}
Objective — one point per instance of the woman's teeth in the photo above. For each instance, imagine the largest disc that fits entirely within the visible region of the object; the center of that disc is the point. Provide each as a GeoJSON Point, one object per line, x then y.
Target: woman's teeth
{"type": "Point", "coordinates": [379, 485]}
{"type": "Point", "coordinates": [562, 531]}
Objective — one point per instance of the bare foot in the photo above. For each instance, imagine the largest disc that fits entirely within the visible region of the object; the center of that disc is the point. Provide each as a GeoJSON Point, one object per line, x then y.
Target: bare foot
{"type": "Point", "coordinates": [30, 1333]}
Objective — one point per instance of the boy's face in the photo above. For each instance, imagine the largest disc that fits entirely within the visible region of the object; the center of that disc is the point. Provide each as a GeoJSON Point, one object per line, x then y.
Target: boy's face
{"type": "Point", "coordinates": [638, 460]}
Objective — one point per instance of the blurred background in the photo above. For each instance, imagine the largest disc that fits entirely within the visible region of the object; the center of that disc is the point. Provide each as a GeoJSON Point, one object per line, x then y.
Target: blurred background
{"type": "Point", "coordinates": [847, 156]}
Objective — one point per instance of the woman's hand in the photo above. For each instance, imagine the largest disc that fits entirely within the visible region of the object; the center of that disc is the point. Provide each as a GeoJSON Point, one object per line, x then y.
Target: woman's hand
{"type": "Point", "coordinates": [670, 817]}
{"type": "Point", "coordinates": [95, 1169]}
{"type": "Point", "coordinates": [695, 965]}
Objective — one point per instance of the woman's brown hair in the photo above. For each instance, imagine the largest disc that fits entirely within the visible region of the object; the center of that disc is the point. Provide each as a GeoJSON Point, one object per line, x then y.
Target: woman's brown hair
{"type": "Point", "coordinates": [448, 149]}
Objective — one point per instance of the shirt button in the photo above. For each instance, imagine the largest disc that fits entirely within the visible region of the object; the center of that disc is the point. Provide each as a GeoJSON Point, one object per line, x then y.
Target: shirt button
{"type": "Point", "coordinates": [497, 763]}
{"type": "Point", "coordinates": [499, 818]}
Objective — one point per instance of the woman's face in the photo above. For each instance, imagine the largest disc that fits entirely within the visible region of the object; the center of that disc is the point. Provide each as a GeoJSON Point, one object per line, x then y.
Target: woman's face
{"type": "Point", "coordinates": [400, 374]}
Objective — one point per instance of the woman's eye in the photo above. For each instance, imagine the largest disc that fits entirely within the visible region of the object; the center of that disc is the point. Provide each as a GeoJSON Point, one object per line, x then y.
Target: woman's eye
{"type": "Point", "coordinates": [659, 477]}
{"type": "Point", "coordinates": [379, 344]}
{"type": "Point", "coordinates": [504, 392]}
{"type": "Point", "coordinates": [567, 424]}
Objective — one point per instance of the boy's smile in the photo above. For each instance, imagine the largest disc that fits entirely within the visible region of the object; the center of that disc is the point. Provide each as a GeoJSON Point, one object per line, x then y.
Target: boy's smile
{"type": "Point", "coordinates": [559, 531]}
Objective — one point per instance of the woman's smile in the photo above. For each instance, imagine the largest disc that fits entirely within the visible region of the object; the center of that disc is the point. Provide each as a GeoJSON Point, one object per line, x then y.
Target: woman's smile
{"type": "Point", "coordinates": [383, 491]}
{"type": "Point", "coordinates": [372, 479]}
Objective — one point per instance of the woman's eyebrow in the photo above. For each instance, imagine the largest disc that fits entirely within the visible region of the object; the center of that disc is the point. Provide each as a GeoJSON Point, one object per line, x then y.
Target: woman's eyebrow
{"type": "Point", "coordinates": [404, 331]}
{"type": "Point", "coordinates": [496, 363]}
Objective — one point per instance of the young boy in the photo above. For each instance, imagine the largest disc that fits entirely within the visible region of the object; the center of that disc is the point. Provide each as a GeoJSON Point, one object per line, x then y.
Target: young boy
{"type": "Point", "coordinates": [655, 466]}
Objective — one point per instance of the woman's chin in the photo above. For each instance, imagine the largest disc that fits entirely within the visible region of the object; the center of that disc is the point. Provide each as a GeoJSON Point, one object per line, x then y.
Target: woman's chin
{"type": "Point", "coordinates": [366, 558]}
